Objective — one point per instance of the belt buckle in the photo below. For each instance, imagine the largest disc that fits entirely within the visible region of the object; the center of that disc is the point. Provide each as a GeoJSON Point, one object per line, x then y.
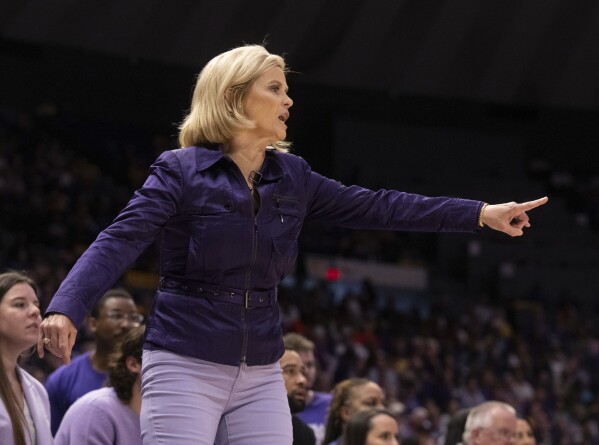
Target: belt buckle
{"type": "Point", "coordinates": [247, 299]}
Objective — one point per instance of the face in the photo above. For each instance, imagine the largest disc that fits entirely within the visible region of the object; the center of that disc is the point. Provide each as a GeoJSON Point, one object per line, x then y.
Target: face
{"type": "Point", "coordinates": [502, 431]}
{"type": "Point", "coordinates": [309, 367]}
{"type": "Point", "coordinates": [116, 317]}
{"type": "Point", "coordinates": [383, 431]}
{"type": "Point", "coordinates": [524, 434]}
{"type": "Point", "coordinates": [267, 104]}
{"type": "Point", "coordinates": [363, 397]}
{"type": "Point", "coordinates": [20, 318]}
{"type": "Point", "coordinates": [295, 381]}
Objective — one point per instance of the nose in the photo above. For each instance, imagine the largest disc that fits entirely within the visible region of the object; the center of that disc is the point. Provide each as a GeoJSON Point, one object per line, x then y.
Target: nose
{"type": "Point", "coordinates": [301, 379]}
{"type": "Point", "coordinates": [126, 322]}
{"type": "Point", "coordinates": [35, 311]}
{"type": "Point", "coordinates": [288, 101]}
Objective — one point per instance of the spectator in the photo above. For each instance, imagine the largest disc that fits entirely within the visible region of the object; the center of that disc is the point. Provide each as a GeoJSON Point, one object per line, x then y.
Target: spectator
{"type": "Point", "coordinates": [317, 403]}
{"type": "Point", "coordinates": [524, 434]}
{"type": "Point", "coordinates": [349, 397]}
{"type": "Point", "coordinates": [295, 384]}
{"type": "Point", "coordinates": [24, 407]}
{"type": "Point", "coordinates": [109, 320]}
{"type": "Point", "coordinates": [455, 427]}
{"type": "Point", "coordinates": [490, 423]}
{"type": "Point", "coordinates": [371, 427]}
{"type": "Point", "coordinates": [110, 416]}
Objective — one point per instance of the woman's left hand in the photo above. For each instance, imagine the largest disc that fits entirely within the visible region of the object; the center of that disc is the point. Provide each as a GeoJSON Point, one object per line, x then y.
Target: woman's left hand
{"type": "Point", "coordinates": [511, 217]}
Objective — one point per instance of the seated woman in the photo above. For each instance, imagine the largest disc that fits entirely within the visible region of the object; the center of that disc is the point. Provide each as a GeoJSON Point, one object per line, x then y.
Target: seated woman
{"type": "Point", "coordinates": [110, 416]}
{"type": "Point", "coordinates": [524, 433]}
{"type": "Point", "coordinates": [24, 405]}
{"type": "Point", "coordinates": [350, 396]}
{"type": "Point", "coordinates": [371, 427]}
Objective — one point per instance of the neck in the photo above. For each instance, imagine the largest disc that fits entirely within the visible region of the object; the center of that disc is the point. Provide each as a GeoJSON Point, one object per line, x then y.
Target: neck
{"type": "Point", "coordinates": [248, 158]}
{"type": "Point", "coordinates": [135, 402]}
{"type": "Point", "coordinates": [100, 358]}
{"type": "Point", "coordinates": [247, 144]}
{"type": "Point", "coordinates": [10, 358]}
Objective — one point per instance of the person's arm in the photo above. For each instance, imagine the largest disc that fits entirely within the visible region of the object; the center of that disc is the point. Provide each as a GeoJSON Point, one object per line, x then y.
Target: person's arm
{"type": "Point", "coordinates": [358, 207]}
{"type": "Point", "coordinates": [107, 258]}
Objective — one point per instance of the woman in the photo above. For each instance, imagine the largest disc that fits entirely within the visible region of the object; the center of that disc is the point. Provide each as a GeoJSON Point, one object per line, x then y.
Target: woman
{"type": "Point", "coordinates": [371, 427]}
{"type": "Point", "coordinates": [455, 427]}
{"type": "Point", "coordinates": [110, 416]}
{"type": "Point", "coordinates": [25, 409]}
{"type": "Point", "coordinates": [349, 397]}
{"type": "Point", "coordinates": [229, 207]}
{"type": "Point", "coordinates": [524, 433]}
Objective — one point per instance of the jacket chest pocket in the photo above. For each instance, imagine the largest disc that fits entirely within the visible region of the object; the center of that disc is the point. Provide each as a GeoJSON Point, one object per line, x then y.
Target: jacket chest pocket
{"type": "Point", "coordinates": [209, 207]}
{"type": "Point", "coordinates": [287, 219]}
{"type": "Point", "coordinates": [208, 216]}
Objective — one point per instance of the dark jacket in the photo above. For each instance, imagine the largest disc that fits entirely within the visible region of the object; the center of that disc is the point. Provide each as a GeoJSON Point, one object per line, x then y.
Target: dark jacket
{"type": "Point", "coordinates": [214, 246]}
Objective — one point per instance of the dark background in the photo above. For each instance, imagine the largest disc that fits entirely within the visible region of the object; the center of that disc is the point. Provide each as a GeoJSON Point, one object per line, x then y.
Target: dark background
{"type": "Point", "coordinates": [489, 100]}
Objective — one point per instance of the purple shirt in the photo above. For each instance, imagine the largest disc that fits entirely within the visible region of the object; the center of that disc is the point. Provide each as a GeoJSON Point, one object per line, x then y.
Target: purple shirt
{"type": "Point", "coordinates": [315, 414]}
{"type": "Point", "coordinates": [99, 418]}
{"type": "Point", "coordinates": [69, 382]}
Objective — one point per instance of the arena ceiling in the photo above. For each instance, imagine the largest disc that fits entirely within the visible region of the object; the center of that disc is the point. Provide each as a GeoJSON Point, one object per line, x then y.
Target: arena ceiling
{"type": "Point", "coordinates": [532, 52]}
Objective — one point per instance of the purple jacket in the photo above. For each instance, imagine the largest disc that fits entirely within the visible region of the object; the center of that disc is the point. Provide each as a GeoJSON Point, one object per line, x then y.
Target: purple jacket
{"type": "Point", "coordinates": [214, 247]}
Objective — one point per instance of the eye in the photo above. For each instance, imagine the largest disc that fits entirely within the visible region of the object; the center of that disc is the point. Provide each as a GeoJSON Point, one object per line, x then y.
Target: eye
{"type": "Point", "coordinates": [275, 88]}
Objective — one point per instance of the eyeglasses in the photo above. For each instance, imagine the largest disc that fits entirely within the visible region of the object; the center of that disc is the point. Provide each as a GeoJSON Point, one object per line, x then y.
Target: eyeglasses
{"type": "Point", "coordinates": [132, 318]}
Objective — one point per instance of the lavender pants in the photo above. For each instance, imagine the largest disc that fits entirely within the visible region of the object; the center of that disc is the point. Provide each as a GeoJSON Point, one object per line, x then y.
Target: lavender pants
{"type": "Point", "coordinates": [191, 401]}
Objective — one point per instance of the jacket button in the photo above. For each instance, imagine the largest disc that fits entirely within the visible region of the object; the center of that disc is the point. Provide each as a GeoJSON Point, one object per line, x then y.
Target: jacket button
{"type": "Point", "coordinates": [227, 206]}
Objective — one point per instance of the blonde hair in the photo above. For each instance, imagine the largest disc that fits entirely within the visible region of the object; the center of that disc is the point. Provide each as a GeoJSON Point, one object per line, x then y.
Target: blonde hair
{"type": "Point", "coordinates": [217, 104]}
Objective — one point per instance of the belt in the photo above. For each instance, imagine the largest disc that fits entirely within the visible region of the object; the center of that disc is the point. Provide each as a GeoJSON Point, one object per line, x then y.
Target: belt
{"type": "Point", "coordinates": [247, 298]}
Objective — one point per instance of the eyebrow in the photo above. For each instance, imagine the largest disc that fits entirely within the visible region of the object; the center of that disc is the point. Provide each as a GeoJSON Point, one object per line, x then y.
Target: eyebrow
{"type": "Point", "coordinates": [21, 297]}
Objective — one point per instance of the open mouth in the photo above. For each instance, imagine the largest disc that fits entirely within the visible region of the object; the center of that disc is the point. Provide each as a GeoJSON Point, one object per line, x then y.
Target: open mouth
{"type": "Point", "coordinates": [283, 117]}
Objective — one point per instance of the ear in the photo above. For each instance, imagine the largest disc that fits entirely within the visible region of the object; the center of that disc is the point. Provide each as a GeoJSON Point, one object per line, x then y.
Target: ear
{"type": "Point", "coordinates": [92, 323]}
{"type": "Point", "coordinates": [133, 365]}
{"type": "Point", "coordinates": [344, 414]}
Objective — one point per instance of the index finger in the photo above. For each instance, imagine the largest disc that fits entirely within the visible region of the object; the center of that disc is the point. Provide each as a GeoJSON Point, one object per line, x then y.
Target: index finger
{"type": "Point", "coordinates": [40, 344]}
{"type": "Point", "coordinates": [64, 347]}
{"type": "Point", "coordinates": [532, 204]}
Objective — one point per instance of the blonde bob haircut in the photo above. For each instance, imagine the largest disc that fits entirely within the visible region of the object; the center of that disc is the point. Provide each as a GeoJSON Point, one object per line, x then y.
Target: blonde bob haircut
{"type": "Point", "coordinates": [217, 112]}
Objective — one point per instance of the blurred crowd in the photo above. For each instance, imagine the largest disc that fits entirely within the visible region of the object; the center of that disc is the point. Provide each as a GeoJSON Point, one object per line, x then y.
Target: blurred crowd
{"type": "Point", "coordinates": [63, 180]}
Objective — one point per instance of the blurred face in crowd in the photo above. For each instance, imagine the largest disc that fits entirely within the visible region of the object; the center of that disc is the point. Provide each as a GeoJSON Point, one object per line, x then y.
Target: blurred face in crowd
{"type": "Point", "coordinates": [363, 397]}
{"type": "Point", "coordinates": [116, 317]}
{"type": "Point", "coordinates": [309, 367]}
{"type": "Point", "coordinates": [502, 430]}
{"type": "Point", "coordinates": [383, 431]}
{"type": "Point", "coordinates": [295, 381]}
{"type": "Point", "coordinates": [20, 318]}
{"type": "Point", "coordinates": [524, 434]}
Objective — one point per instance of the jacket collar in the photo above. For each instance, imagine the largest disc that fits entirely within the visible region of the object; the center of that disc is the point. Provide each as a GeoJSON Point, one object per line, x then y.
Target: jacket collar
{"type": "Point", "coordinates": [207, 157]}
